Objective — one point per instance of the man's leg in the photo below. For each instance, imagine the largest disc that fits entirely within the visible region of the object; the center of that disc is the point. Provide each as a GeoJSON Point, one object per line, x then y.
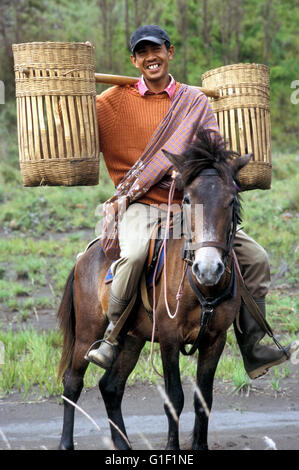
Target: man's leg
{"type": "Point", "coordinates": [255, 269]}
{"type": "Point", "coordinates": [135, 232]}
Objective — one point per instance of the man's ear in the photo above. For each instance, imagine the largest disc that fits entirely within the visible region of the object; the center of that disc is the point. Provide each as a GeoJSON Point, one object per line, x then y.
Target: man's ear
{"type": "Point", "coordinates": [239, 162]}
{"type": "Point", "coordinates": [134, 62]}
{"type": "Point", "coordinates": [171, 52]}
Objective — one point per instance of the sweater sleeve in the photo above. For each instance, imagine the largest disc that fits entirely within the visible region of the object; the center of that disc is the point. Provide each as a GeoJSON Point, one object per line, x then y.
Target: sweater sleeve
{"type": "Point", "coordinates": [107, 104]}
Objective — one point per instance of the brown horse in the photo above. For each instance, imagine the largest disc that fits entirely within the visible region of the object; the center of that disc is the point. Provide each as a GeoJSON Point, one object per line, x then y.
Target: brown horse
{"type": "Point", "coordinates": [208, 306]}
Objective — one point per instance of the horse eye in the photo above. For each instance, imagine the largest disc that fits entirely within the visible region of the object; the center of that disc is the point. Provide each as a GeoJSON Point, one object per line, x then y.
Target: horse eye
{"type": "Point", "coordinates": [186, 199]}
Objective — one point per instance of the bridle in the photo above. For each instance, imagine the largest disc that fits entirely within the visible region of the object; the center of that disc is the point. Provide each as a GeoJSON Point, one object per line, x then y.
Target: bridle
{"type": "Point", "coordinates": [189, 247]}
{"type": "Point", "coordinates": [208, 304]}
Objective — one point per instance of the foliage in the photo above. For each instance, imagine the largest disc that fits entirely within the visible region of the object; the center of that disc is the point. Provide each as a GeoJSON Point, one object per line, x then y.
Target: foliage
{"type": "Point", "coordinates": [43, 229]}
{"type": "Point", "coordinates": [206, 34]}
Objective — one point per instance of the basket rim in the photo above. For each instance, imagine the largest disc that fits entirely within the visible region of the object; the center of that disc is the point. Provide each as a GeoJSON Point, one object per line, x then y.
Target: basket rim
{"type": "Point", "coordinates": [225, 68]}
{"type": "Point", "coordinates": [51, 44]}
{"type": "Point", "coordinates": [59, 161]}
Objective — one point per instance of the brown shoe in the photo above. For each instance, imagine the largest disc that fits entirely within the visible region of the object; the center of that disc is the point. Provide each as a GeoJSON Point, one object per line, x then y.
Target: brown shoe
{"type": "Point", "coordinates": [257, 358]}
{"type": "Point", "coordinates": [105, 355]}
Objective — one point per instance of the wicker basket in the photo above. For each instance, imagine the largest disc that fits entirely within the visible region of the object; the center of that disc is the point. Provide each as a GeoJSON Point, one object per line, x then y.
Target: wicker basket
{"type": "Point", "coordinates": [243, 115]}
{"type": "Point", "coordinates": [56, 111]}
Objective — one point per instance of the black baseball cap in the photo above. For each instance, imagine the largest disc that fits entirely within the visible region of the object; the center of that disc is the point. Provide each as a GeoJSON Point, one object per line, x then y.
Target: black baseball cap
{"type": "Point", "coordinates": [152, 33]}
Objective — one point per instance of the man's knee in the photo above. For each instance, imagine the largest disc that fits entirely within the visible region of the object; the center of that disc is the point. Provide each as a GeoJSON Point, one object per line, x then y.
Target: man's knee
{"type": "Point", "coordinates": [255, 266]}
{"type": "Point", "coordinates": [259, 257]}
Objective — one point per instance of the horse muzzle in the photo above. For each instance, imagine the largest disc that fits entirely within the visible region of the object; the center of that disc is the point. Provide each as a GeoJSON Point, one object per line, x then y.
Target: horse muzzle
{"type": "Point", "coordinates": [208, 266]}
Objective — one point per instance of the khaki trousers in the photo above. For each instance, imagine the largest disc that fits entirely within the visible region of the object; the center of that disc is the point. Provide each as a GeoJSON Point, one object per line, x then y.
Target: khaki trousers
{"type": "Point", "coordinates": [135, 230]}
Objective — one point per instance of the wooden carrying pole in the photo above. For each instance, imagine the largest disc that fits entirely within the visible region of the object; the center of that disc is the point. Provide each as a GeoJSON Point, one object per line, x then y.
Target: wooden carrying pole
{"type": "Point", "coordinates": [123, 80]}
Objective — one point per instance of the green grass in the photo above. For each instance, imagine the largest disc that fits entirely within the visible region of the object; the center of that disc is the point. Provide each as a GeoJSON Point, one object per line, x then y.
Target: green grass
{"type": "Point", "coordinates": [31, 358]}
{"type": "Point", "coordinates": [43, 229]}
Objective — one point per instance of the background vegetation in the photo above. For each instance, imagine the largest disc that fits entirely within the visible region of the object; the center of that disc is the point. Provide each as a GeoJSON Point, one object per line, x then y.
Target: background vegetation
{"type": "Point", "coordinates": [43, 229]}
{"type": "Point", "coordinates": [206, 34]}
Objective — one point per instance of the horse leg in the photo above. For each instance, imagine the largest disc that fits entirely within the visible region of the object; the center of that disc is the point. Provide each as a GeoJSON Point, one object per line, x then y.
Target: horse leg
{"type": "Point", "coordinates": [73, 380]}
{"type": "Point", "coordinates": [73, 384]}
{"type": "Point", "coordinates": [209, 354]}
{"type": "Point", "coordinates": [112, 386]}
{"type": "Point", "coordinates": [173, 388]}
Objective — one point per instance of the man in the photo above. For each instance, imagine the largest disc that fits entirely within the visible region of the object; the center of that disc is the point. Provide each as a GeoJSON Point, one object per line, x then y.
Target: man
{"type": "Point", "coordinates": [135, 122]}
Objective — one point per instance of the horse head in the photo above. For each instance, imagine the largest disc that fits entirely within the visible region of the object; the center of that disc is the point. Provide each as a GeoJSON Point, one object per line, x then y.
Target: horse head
{"type": "Point", "coordinates": [208, 173]}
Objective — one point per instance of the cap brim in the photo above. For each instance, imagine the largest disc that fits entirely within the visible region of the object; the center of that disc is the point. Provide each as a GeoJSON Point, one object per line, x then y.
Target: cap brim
{"type": "Point", "coordinates": [151, 39]}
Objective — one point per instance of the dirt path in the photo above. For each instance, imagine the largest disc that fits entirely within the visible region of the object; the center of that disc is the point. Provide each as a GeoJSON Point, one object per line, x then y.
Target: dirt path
{"type": "Point", "coordinates": [238, 422]}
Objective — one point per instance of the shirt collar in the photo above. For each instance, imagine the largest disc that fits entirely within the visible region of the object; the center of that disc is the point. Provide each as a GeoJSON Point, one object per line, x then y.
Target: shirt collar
{"type": "Point", "coordinates": [143, 89]}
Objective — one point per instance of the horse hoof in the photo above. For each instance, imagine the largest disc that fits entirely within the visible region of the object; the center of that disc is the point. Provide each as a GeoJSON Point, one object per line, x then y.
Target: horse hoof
{"type": "Point", "coordinates": [64, 447]}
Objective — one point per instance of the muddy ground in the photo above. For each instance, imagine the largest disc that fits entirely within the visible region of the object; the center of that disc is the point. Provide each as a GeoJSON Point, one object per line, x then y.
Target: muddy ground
{"type": "Point", "coordinates": [259, 420]}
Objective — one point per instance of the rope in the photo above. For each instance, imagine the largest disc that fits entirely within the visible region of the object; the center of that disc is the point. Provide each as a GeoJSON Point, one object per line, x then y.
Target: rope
{"type": "Point", "coordinates": [181, 286]}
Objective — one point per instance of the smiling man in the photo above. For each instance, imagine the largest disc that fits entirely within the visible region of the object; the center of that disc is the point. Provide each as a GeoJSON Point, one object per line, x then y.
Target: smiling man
{"type": "Point", "coordinates": [135, 123]}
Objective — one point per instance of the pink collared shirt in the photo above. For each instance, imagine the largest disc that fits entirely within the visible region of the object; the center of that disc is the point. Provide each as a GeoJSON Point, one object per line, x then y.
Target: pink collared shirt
{"type": "Point", "coordinates": [143, 89]}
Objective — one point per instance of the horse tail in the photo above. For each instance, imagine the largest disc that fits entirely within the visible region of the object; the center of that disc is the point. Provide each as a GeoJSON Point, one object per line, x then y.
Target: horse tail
{"type": "Point", "coordinates": [66, 320]}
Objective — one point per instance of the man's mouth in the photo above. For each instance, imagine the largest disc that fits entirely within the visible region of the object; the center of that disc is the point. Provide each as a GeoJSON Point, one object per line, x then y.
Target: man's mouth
{"type": "Point", "coordinates": [153, 66]}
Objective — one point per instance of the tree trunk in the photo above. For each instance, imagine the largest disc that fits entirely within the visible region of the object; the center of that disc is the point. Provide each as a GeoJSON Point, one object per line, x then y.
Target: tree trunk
{"type": "Point", "coordinates": [206, 29]}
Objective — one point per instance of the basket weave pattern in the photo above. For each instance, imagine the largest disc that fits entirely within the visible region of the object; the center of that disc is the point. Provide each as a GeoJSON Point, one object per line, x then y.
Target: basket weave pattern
{"type": "Point", "coordinates": [57, 120]}
{"type": "Point", "coordinates": [243, 115]}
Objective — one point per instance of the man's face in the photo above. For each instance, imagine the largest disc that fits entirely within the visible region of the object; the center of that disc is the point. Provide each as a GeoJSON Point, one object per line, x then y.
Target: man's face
{"type": "Point", "coordinates": [152, 60]}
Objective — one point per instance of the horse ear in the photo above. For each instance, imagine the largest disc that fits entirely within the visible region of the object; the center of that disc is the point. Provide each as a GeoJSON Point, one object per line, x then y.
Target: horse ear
{"type": "Point", "coordinates": [176, 160]}
{"type": "Point", "coordinates": [239, 162]}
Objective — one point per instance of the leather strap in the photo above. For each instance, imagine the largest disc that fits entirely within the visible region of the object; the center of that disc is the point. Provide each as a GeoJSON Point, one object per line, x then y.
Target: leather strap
{"type": "Point", "coordinates": [254, 309]}
{"type": "Point", "coordinates": [195, 246]}
{"type": "Point", "coordinates": [112, 338]}
{"type": "Point", "coordinates": [208, 305]}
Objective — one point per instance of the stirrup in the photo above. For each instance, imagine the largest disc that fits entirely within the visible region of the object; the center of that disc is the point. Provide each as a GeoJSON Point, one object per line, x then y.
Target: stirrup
{"type": "Point", "coordinates": [91, 347]}
{"type": "Point", "coordinates": [104, 356]}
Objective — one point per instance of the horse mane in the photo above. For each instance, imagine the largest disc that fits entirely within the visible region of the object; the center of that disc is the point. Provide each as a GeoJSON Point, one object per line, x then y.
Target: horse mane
{"type": "Point", "coordinates": [206, 151]}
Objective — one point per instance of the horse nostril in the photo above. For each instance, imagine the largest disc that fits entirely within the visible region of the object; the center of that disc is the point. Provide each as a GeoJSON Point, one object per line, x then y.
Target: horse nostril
{"type": "Point", "coordinates": [195, 269]}
{"type": "Point", "coordinates": [220, 268]}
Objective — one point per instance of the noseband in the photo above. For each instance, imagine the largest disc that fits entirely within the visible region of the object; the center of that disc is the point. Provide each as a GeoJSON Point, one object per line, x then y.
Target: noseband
{"type": "Point", "coordinates": [189, 247]}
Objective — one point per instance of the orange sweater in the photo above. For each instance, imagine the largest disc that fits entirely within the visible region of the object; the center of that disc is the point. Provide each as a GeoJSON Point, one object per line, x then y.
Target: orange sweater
{"type": "Point", "coordinates": [127, 121]}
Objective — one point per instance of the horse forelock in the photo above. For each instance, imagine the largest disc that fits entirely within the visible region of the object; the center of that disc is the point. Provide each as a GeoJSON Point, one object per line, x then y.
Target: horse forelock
{"type": "Point", "coordinates": [206, 151]}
